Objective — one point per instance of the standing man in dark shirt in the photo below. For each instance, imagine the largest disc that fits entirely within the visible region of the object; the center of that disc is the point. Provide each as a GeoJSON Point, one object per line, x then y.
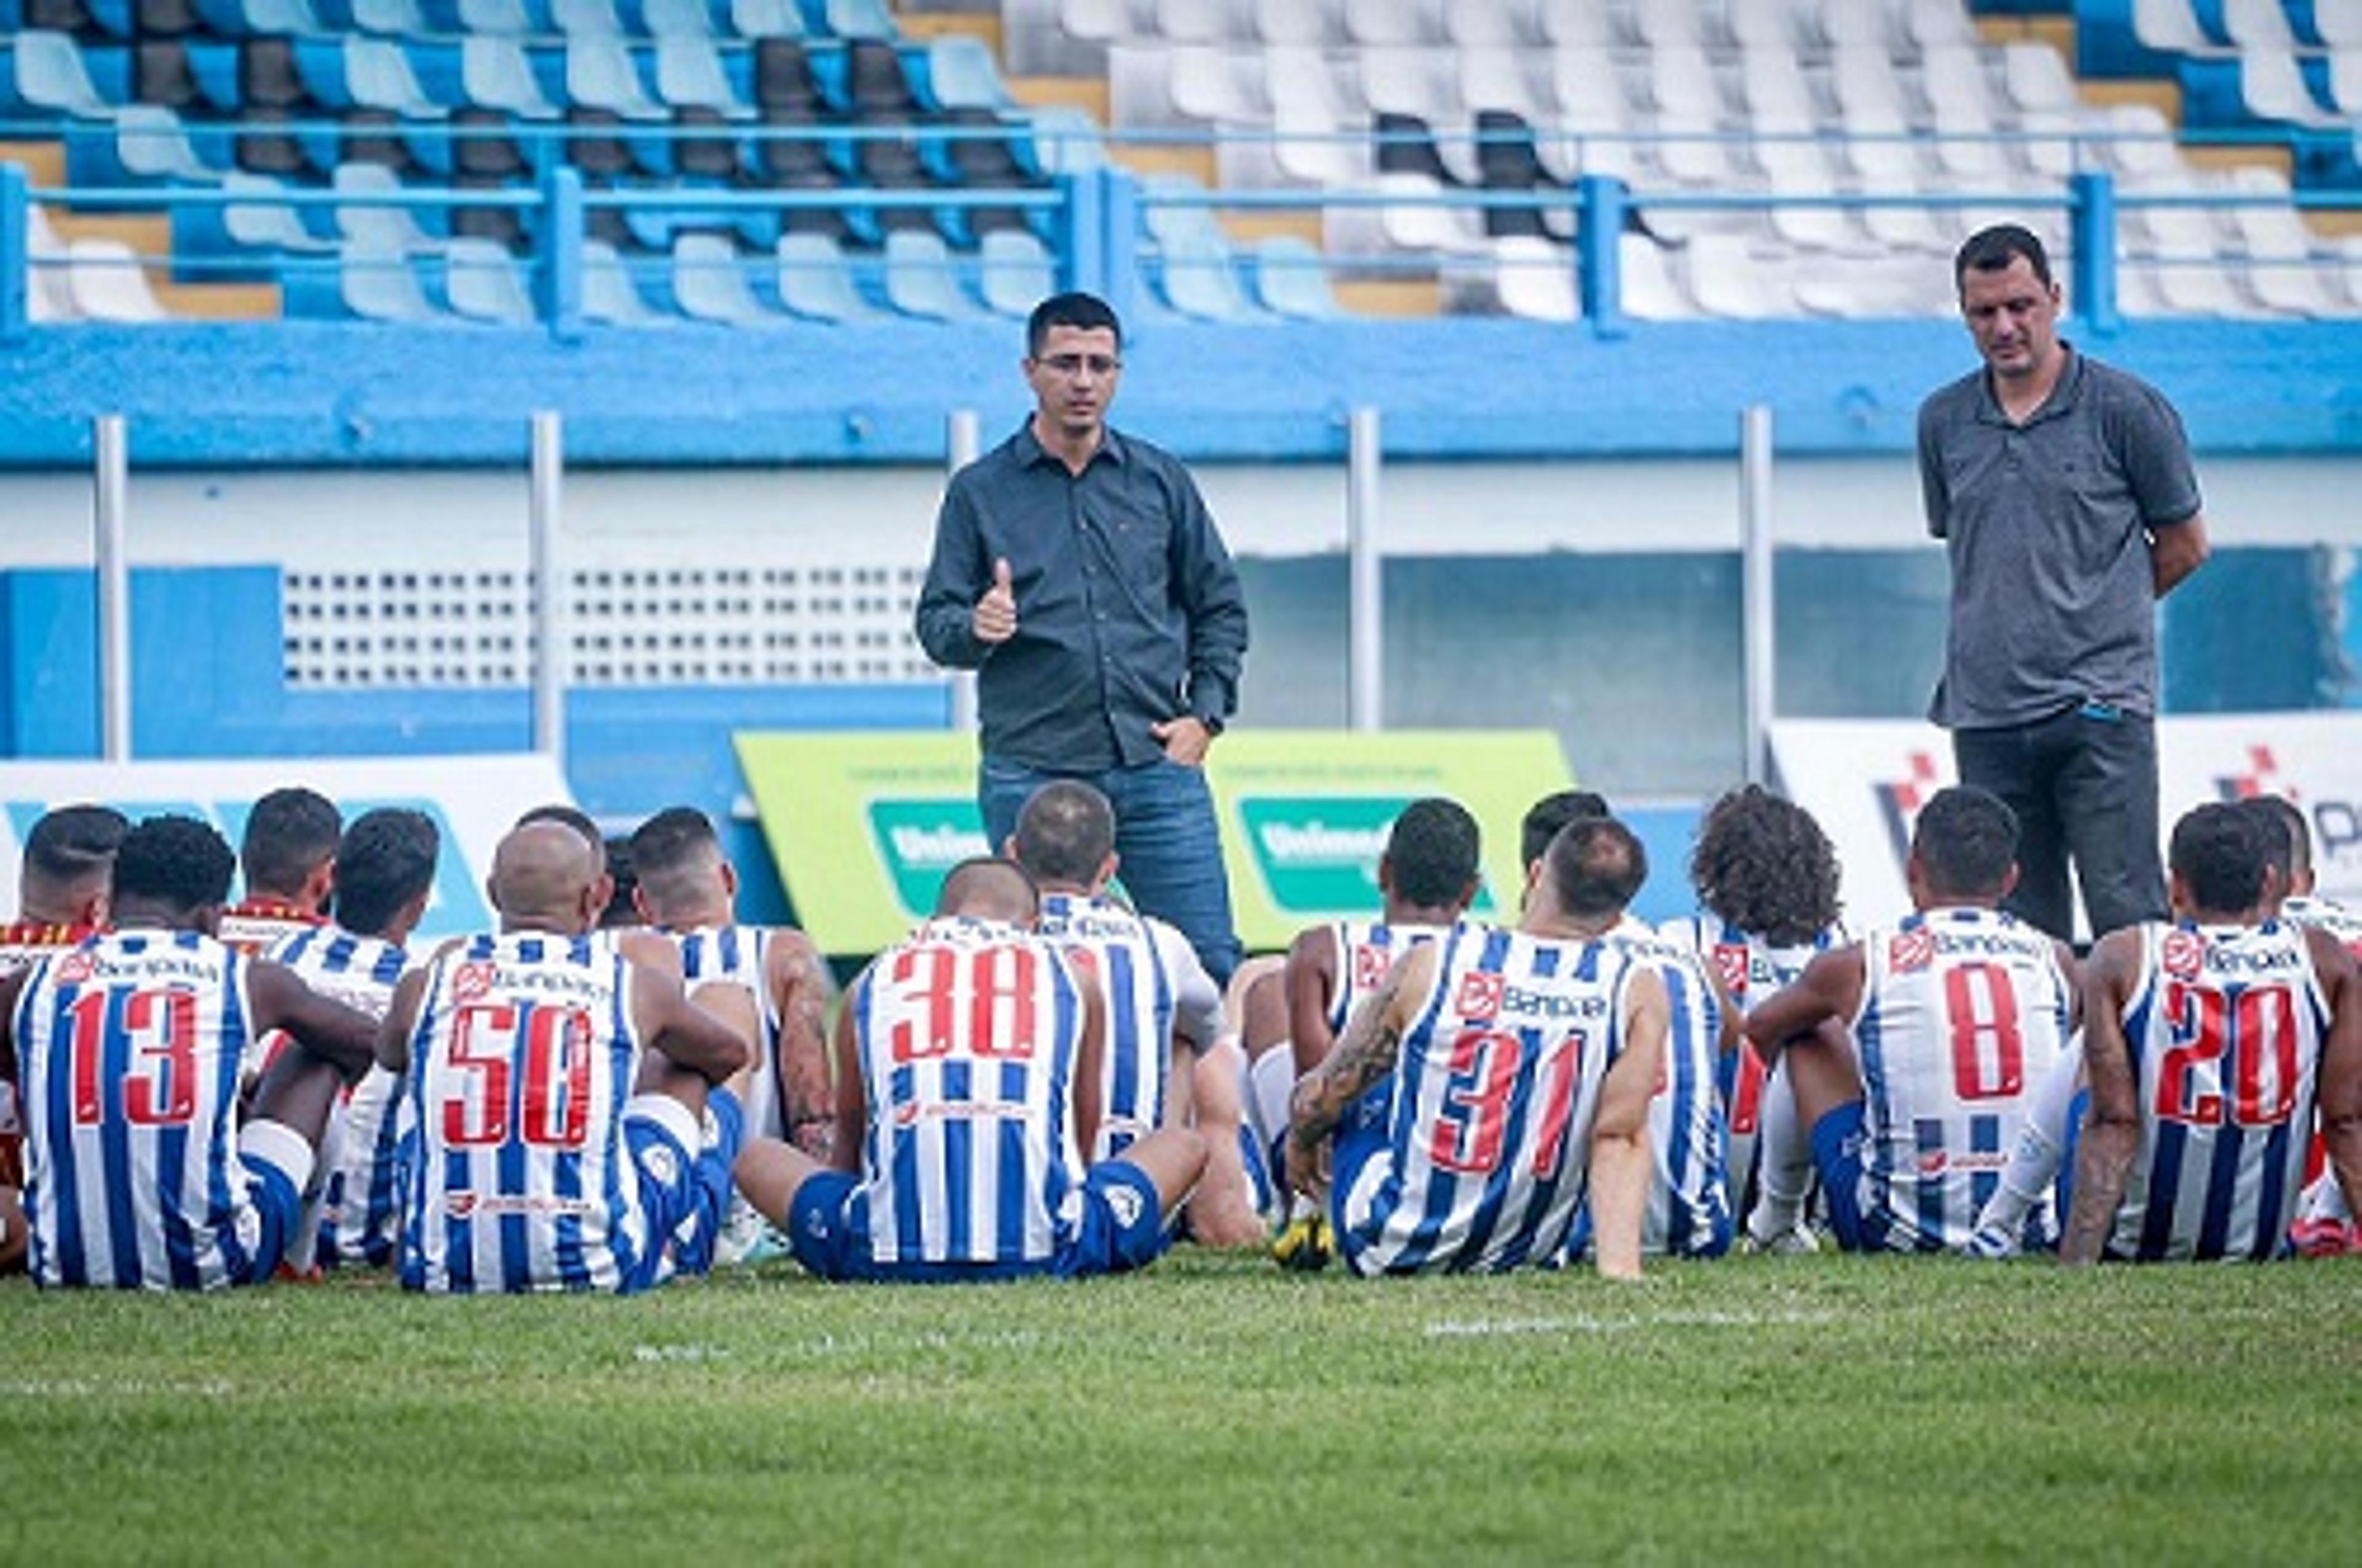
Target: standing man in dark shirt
{"type": "Point", "coordinates": [1077, 571]}
{"type": "Point", "coordinates": [2063, 491]}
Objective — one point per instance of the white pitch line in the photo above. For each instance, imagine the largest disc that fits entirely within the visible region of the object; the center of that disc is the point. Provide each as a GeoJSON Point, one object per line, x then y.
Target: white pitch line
{"type": "Point", "coordinates": [1481, 1328]}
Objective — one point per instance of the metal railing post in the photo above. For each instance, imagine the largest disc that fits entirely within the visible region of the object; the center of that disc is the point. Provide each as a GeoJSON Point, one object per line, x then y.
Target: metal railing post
{"type": "Point", "coordinates": [549, 662]}
{"type": "Point", "coordinates": [1599, 262]}
{"type": "Point", "coordinates": [1758, 643]}
{"type": "Point", "coordinates": [1082, 263]}
{"type": "Point", "coordinates": [1120, 242]}
{"type": "Point", "coordinates": [2093, 217]}
{"type": "Point", "coordinates": [1365, 572]}
{"type": "Point", "coordinates": [111, 471]}
{"type": "Point", "coordinates": [558, 278]}
{"type": "Point", "coordinates": [16, 249]}
{"type": "Point", "coordinates": [961, 444]}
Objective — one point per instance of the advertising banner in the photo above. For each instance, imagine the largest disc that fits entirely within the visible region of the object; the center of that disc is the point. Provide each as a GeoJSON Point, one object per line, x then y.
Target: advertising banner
{"type": "Point", "coordinates": [864, 825]}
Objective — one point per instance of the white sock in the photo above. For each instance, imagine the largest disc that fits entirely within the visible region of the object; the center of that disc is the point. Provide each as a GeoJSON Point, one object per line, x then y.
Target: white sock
{"type": "Point", "coordinates": [1783, 1162]}
{"type": "Point", "coordinates": [1271, 1081]}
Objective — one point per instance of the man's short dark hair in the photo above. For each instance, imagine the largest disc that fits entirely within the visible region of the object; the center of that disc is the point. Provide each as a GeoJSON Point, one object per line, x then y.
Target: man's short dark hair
{"type": "Point", "coordinates": [1992, 249]}
{"type": "Point", "coordinates": [1551, 812]}
{"type": "Point", "coordinates": [1965, 842]}
{"type": "Point", "coordinates": [575, 818]}
{"type": "Point", "coordinates": [74, 844]}
{"type": "Point", "coordinates": [671, 839]}
{"type": "Point", "coordinates": [2299, 832]}
{"type": "Point", "coordinates": [622, 908]}
{"type": "Point", "coordinates": [1595, 865]}
{"type": "Point", "coordinates": [990, 886]}
{"type": "Point", "coordinates": [1764, 865]}
{"type": "Point", "coordinates": [1064, 833]}
{"type": "Point", "coordinates": [288, 835]}
{"type": "Point", "coordinates": [1088, 313]}
{"type": "Point", "coordinates": [386, 860]}
{"type": "Point", "coordinates": [2280, 842]}
{"type": "Point", "coordinates": [2219, 852]}
{"type": "Point", "coordinates": [179, 863]}
{"type": "Point", "coordinates": [1433, 852]}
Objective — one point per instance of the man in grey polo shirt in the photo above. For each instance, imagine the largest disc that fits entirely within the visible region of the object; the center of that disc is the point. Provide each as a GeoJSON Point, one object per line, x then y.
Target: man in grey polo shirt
{"type": "Point", "coordinates": [1078, 571]}
{"type": "Point", "coordinates": [2063, 491]}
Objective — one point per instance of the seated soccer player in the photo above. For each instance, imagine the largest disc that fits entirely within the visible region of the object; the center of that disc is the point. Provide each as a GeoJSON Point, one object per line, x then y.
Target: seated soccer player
{"type": "Point", "coordinates": [61, 890]}
{"type": "Point", "coordinates": [1494, 1080]}
{"type": "Point", "coordinates": [1915, 1052]}
{"type": "Point", "coordinates": [385, 873]}
{"type": "Point", "coordinates": [288, 855]}
{"type": "Point", "coordinates": [2208, 1041]}
{"type": "Point", "coordinates": [687, 888]}
{"type": "Point", "coordinates": [141, 1170]}
{"type": "Point", "coordinates": [967, 1085]}
{"type": "Point", "coordinates": [558, 1080]}
{"type": "Point", "coordinates": [1164, 1063]}
{"type": "Point", "coordinates": [1766, 878]}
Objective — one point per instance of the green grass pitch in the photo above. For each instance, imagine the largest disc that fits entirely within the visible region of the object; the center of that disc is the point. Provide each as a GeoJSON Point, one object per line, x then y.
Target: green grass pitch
{"type": "Point", "coordinates": [1756, 1410]}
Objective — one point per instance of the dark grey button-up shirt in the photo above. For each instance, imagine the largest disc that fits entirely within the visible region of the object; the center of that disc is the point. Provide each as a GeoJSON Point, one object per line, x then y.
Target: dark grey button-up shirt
{"type": "Point", "coordinates": [2054, 600]}
{"type": "Point", "coordinates": [1129, 610]}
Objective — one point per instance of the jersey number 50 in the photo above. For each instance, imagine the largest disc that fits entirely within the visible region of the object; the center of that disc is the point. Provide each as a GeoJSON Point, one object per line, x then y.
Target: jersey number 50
{"type": "Point", "coordinates": [549, 1108]}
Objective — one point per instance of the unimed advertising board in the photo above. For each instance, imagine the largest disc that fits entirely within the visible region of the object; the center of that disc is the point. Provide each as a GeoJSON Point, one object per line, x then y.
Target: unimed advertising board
{"type": "Point", "coordinates": [864, 825]}
{"type": "Point", "coordinates": [1866, 781]}
{"type": "Point", "coordinates": [472, 800]}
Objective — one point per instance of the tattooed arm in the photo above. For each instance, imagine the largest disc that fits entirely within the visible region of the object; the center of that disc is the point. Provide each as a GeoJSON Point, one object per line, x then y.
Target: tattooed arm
{"type": "Point", "coordinates": [2113, 1125]}
{"type": "Point", "coordinates": [802, 989]}
{"type": "Point", "coordinates": [1364, 1055]}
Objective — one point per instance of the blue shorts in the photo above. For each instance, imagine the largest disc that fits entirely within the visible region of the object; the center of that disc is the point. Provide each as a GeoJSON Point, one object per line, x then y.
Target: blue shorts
{"type": "Point", "coordinates": [682, 1181]}
{"type": "Point", "coordinates": [696, 1229]}
{"type": "Point", "coordinates": [1838, 1138]}
{"type": "Point", "coordinates": [278, 1163]}
{"type": "Point", "coordinates": [828, 1226]}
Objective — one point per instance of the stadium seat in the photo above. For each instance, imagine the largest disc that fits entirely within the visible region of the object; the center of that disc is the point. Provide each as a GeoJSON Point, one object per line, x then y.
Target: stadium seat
{"type": "Point", "coordinates": [501, 18]}
{"type": "Point", "coordinates": [150, 144]}
{"type": "Point", "coordinates": [266, 224]}
{"type": "Point", "coordinates": [378, 284]}
{"type": "Point", "coordinates": [2172, 26]}
{"type": "Point", "coordinates": [1493, 22]}
{"type": "Point", "coordinates": [1395, 21]}
{"type": "Point", "coordinates": [1732, 277]}
{"type": "Point", "coordinates": [1534, 279]}
{"type": "Point", "coordinates": [960, 75]}
{"type": "Point", "coordinates": [1801, 169]}
{"type": "Point", "coordinates": [1591, 106]}
{"type": "Point", "coordinates": [378, 76]}
{"type": "Point", "coordinates": [690, 75]}
{"type": "Point", "coordinates": [709, 285]}
{"type": "Point", "coordinates": [1197, 278]}
{"type": "Point", "coordinates": [1874, 287]}
{"type": "Point", "coordinates": [49, 76]}
{"type": "Point", "coordinates": [1690, 114]}
{"type": "Point", "coordinates": [2038, 79]}
{"type": "Point", "coordinates": [1494, 77]}
{"type": "Point", "coordinates": [1015, 272]}
{"type": "Point", "coordinates": [2284, 268]}
{"type": "Point", "coordinates": [2272, 87]}
{"type": "Point", "coordinates": [1314, 22]}
{"type": "Point", "coordinates": [391, 19]}
{"type": "Point", "coordinates": [921, 279]}
{"type": "Point", "coordinates": [587, 18]}
{"type": "Point", "coordinates": [395, 229]}
{"type": "Point", "coordinates": [485, 285]}
{"type": "Point", "coordinates": [2345, 78]}
{"type": "Point", "coordinates": [1200, 21]}
{"type": "Point", "coordinates": [1508, 159]}
{"type": "Point", "coordinates": [1064, 142]}
{"type": "Point", "coordinates": [49, 291]}
{"type": "Point", "coordinates": [162, 75]}
{"type": "Point", "coordinates": [816, 280]}
{"type": "Point", "coordinates": [1575, 24]}
{"type": "Point", "coordinates": [165, 18]}
{"type": "Point", "coordinates": [108, 283]}
{"type": "Point", "coordinates": [859, 20]}
{"type": "Point", "coordinates": [2189, 253]}
{"type": "Point", "coordinates": [1954, 80]}
{"type": "Point", "coordinates": [1651, 292]}
{"type": "Point", "coordinates": [610, 296]}
{"type": "Point", "coordinates": [1291, 279]}
{"type": "Point", "coordinates": [2338, 22]}
{"type": "Point", "coordinates": [767, 19]}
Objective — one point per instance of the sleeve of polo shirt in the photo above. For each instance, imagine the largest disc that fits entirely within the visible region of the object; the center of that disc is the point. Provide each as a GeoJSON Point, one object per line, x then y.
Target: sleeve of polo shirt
{"type": "Point", "coordinates": [1206, 583]}
{"type": "Point", "coordinates": [1934, 498]}
{"type": "Point", "coordinates": [957, 578]}
{"type": "Point", "coordinates": [2154, 452]}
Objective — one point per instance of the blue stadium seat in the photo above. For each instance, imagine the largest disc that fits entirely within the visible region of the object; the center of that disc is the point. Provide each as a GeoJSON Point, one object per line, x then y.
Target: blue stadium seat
{"type": "Point", "coordinates": [768, 19]}
{"type": "Point", "coordinates": [213, 65]}
{"type": "Point", "coordinates": [153, 148]}
{"type": "Point", "coordinates": [1291, 279]}
{"type": "Point", "coordinates": [494, 74]}
{"type": "Point", "coordinates": [922, 280]}
{"type": "Point", "coordinates": [677, 18]}
{"type": "Point", "coordinates": [484, 283]}
{"type": "Point", "coordinates": [506, 19]}
{"type": "Point", "coordinates": [1064, 141]}
{"type": "Point", "coordinates": [320, 65]}
{"type": "Point", "coordinates": [816, 280]}
{"type": "Point", "coordinates": [391, 19]}
{"type": "Point", "coordinates": [709, 283]}
{"type": "Point", "coordinates": [47, 74]}
{"type": "Point", "coordinates": [855, 19]}
{"type": "Point", "coordinates": [587, 18]}
{"type": "Point", "coordinates": [1015, 272]}
{"type": "Point", "coordinates": [960, 74]}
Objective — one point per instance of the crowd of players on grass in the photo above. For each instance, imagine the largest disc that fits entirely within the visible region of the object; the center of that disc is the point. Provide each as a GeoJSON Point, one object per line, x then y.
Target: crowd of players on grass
{"type": "Point", "coordinates": [622, 1084]}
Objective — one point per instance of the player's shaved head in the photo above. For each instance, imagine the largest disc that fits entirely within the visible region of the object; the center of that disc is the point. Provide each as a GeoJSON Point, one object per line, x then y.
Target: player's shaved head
{"type": "Point", "coordinates": [170, 870]}
{"type": "Point", "coordinates": [2219, 855]}
{"type": "Point", "coordinates": [1966, 843]}
{"type": "Point", "coordinates": [1593, 867]}
{"type": "Point", "coordinates": [1064, 833]}
{"type": "Point", "coordinates": [574, 817]}
{"type": "Point", "coordinates": [1433, 854]}
{"type": "Point", "coordinates": [1551, 812]}
{"type": "Point", "coordinates": [986, 887]}
{"type": "Point", "coordinates": [290, 835]}
{"type": "Point", "coordinates": [69, 860]}
{"type": "Point", "coordinates": [677, 857]}
{"type": "Point", "coordinates": [543, 876]}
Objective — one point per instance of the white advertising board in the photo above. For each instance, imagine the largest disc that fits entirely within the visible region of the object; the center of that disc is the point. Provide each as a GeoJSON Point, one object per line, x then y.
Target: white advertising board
{"type": "Point", "coordinates": [473, 801]}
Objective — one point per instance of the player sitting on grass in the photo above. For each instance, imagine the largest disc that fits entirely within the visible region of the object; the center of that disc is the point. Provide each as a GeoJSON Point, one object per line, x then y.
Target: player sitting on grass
{"type": "Point", "coordinates": [62, 888]}
{"type": "Point", "coordinates": [967, 1081]}
{"type": "Point", "coordinates": [288, 855]}
{"type": "Point", "coordinates": [1165, 1065]}
{"type": "Point", "coordinates": [1494, 1080]}
{"type": "Point", "coordinates": [557, 1080]}
{"type": "Point", "coordinates": [687, 890]}
{"type": "Point", "coordinates": [2207, 1041]}
{"type": "Point", "coordinates": [1915, 1052]}
{"type": "Point", "coordinates": [385, 873]}
{"type": "Point", "coordinates": [141, 1169]}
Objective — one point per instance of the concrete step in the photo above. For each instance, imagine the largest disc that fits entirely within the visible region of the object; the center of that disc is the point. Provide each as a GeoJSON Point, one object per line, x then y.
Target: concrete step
{"type": "Point", "coordinates": [220, 302]}
{"type": "Point", "coordinates": [1088, 94]}
{"type": "Point", "coordinates": [1390, 296]}
{"type": "Point", "coordinates": [44, 162]}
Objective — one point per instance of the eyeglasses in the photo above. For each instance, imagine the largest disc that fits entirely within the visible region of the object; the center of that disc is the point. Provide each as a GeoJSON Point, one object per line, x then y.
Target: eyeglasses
{"type": "Point", "coordinates": [1072, 365]}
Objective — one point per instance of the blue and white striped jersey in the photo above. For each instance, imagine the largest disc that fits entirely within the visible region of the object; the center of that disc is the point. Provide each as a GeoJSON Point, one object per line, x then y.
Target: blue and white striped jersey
{"type": "Point", "coordinates": [1964, 1012]}
{"type": "Point", "coordinates": [968, 1034]}
{"type": "Point", "coordinates": [522, 1062]}
{"type": "Point", "coordinates": [738, 953]}
{"type": "Point", "coordinates": [130, 1047]}
{"type": "Point", "coordinates": [359, 1214]}
{"type": "Point", "coordinates": [1474, 1153]}
{"type": "Point", "coordinates": [2328, 915]}
{"type": "Point", "coordinates": [1366, 950]}
{"type": "Point", "coordinates": [1153, 983]}
{"type": "Point", "coordinates": [1689, 1212]}
{"type": "Point", "coordinates": [2225, 1026]}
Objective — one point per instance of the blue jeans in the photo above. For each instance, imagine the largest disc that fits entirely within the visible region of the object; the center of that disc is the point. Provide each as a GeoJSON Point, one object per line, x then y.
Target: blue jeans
{"type": "Point", "coordinates": [1164, 836]}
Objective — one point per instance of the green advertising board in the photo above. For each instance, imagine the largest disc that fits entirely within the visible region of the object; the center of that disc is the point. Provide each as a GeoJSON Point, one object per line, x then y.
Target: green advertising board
{"type": "Point", "coordinates": [864, 824]}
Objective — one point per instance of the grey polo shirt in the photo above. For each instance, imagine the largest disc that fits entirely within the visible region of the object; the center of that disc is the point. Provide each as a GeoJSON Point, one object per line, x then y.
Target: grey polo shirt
{"type": "Point", "coordinates": [1129, 610]}
{"type": "Point", "coordinates": [2053, 600]}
